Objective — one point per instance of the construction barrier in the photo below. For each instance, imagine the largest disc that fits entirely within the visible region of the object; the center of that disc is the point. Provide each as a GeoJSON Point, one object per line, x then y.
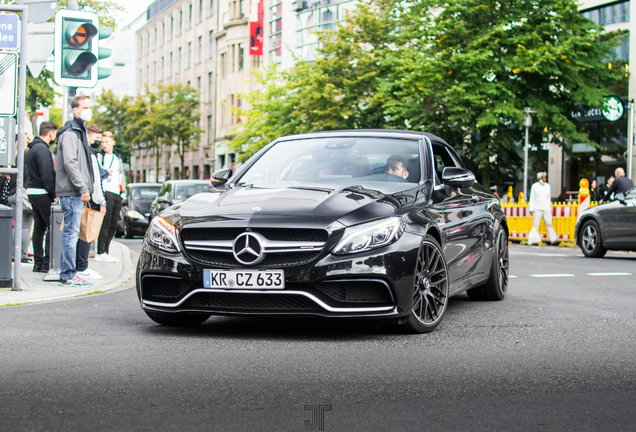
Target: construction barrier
{"type": "Point", "coordinates": [564, 217]}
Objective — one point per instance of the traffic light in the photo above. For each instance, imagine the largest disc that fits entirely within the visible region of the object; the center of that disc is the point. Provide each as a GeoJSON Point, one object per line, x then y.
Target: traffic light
{"type": "Point", "coordinates": [77, 48]}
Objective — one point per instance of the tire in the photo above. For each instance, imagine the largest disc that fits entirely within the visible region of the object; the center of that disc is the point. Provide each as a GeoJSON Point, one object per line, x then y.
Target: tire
{"type": "Point", "coordinates": [127, 231]}
{"type": "Point", "coordinates": [496, 286]}
{"type": "Point", "coordinates": [176, 319]}
{"type": "Point", "coordinates": [430, 289]}
{"type": "Point", "coordinates": [591, 241]}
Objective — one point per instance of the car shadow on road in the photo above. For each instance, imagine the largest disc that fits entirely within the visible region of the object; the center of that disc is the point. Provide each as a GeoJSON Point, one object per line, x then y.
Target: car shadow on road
{"type": "Point", "coordinates": [295, 328]}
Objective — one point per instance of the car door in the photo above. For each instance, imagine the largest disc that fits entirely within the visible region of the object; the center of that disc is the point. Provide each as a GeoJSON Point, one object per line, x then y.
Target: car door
{"type": "Point", "coordinates": [462, 222]}
{"type": "Point", "coordinates": [620, 220]}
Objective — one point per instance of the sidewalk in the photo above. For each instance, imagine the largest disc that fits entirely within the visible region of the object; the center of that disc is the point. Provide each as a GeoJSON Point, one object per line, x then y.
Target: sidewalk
{"type": "Point", "coordinates": [37, 290]}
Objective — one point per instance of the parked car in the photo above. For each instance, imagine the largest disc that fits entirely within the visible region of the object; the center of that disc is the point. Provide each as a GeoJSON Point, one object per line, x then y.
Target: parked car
{"type": "Point", "coordinates": [133, 218]}
{"type": "Point", "coordinates": [176, 191]}
{"type": "Point", "coordinates": [608, 226]}
{"type": "Point", "coordinates": [358, 224]}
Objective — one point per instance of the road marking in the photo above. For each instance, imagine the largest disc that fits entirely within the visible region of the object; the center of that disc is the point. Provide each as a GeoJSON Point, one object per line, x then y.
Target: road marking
{"type": "Point", "coordinates": [552, 275]}
{"type": "Point", "coordinates": [512, 276]}
{"type": "Point", "coordinates": [610, 274]}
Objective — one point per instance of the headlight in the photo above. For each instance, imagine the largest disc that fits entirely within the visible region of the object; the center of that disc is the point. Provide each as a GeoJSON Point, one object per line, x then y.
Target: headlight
{"type": "Point", "coordinates": [134, 214]}
{"type": "Point", "coordinates": [370, 235]}
{"type": "Point", "coordinates": [163, 235]}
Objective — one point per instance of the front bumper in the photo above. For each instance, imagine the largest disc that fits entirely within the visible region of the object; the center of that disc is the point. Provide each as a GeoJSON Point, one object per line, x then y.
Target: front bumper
{"type": "Point", "coordinates": [377, 283]}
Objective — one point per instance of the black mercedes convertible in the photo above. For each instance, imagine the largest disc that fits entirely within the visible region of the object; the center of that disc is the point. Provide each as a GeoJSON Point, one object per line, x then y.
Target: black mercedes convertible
{"type": "Point", "coordinates": [362, 224]}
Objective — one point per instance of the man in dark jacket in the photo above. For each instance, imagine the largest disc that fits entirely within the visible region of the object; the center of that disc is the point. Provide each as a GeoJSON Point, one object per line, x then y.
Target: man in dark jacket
{"type": "Point", "coordinates": [621, 184]}
{"type": "Point", "coordinates": [41, 191]}
{"type": "Point", "coordinates": [73, 185]}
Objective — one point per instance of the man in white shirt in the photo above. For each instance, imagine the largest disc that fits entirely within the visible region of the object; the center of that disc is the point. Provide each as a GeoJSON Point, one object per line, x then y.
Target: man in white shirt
{"type": "Point", "coordinates": [113, 186]}
{"type": "Point", "coordinates": [541, 208]}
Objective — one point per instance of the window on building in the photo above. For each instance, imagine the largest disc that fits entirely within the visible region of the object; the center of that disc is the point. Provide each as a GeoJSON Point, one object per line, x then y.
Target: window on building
{"type": "Point", "coordinates": [199, 86]}
{"type": "Point", "coordinates": [276, 31]}
{"type": "Point", "coordinates": [256, 61]}
{"type": "Point", "coordinates": [171, 27]}
{"type": "Point", "coordinates": [180, 22]}
{"type": "Point", "coordinates": [241, 55]}
{"type": "Point", "coordinates": [209, 130]}
{"type": "Point", "coordinates": [243, 11]}
{"type": "Point", "coordinates": [231, 105]}
{"type": "Point", "coordinates": [211, 45]}
{"type": "Point", "coordinates": [610, 14]}
{"type": "Point", "coordinates": [162, 66]}
{"type": "Point", "coordinates": [188, 83]}
{"type": "Point", "coordinates": [200, 10]}
{"type": "Point", "coordinates": [154, 72]}
{"type": "Point", "coordinates": [222, 64]}
{"type": "Point", "coordinates": [200, 50]}
{"type": "Point", "coordinates": [179, 61]}
{"type": "Point", "coordinates": [233, 57]}
{"type": "Point", "coordinates": [148, 74]}
{"type": "Point", "coordinates": [210, 88]}
{"type": "Point", "coordinates": [154, 45]}
{"type": "Point", "coordinates": [189, 17]}
{"type": "Point", "coordinates": [189, 54]}
{"type": "Point", "coordinates": [141, 46]}
{"type": "Point", "coordinates": [211, 8]}
{"type": "Point", "coordinates": [141, 77]}
{"type": "Point", "coordinates": [239, 106]}
{"type": "Point", "coordinates": [223, 115]}
{"type": "Point", "coordinates": [170, 65]}
{"type": "Point", "coordinates": [148, 43]}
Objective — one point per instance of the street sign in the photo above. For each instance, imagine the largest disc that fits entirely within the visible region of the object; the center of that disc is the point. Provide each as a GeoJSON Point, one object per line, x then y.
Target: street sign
{"type": "Point", "coordinates": [9, 31]}
{"type": "Point", "coordinates": [7, 140]}
{"type": "Point", "coordinates": [40, 42]}
{"type": "Point", "coordinates": [8, 80]}
{"type": "Point", "coordinates": [40, 11]}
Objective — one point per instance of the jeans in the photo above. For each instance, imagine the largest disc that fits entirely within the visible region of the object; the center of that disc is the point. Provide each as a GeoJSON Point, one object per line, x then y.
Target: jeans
{"type": "Point", "coordinates": [72, 208]}
{"type": "Point", "coordinates": [42, 217]}
{"type": "Point", "coordinates": [113, 207]}
{"type": "Point", "coordinates": [83, 248]}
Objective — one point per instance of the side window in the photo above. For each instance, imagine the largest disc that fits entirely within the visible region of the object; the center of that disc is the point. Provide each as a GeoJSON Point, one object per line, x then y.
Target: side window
{"type": "Point", "coordinates": [442, 159]}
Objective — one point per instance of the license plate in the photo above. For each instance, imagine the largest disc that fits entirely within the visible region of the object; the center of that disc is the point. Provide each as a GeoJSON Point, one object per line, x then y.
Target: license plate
{"type": "Point", "coordinates": [244, 279]}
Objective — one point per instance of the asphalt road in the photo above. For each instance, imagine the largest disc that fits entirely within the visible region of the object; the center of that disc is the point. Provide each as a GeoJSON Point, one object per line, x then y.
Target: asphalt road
{"type": "Point", "coordinates": [556, 354]}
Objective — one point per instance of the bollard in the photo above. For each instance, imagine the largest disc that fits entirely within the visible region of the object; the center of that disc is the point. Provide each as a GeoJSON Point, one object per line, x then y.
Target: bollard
{"type": "Point", "coordinates": [6, 247]}
{"type": "Point", "coordinates": [55, 242]}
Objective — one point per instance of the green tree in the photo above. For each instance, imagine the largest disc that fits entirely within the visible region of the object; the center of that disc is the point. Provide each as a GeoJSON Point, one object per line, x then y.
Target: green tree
{"type": "Point", "coordinates": [139, 128]}
{"type": "Point", "coordinates": [111, 114]}
{"type": "Point", "coordinates": [39, 94]}
{"type": "Point", "coordinates": [104, 9]}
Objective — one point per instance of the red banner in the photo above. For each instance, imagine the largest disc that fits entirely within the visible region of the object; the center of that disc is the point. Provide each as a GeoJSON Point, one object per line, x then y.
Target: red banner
{"type": "Point", "coordinates": [256, 16]}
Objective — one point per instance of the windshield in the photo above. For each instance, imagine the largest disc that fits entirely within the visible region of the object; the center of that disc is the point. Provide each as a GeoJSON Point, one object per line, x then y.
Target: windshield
{"type": "Point", "coordinates": [336, 160]}
{"type": "Point", "coordinates": [143, 193]}
{"type": "Point", "coordinates": [183, 192]}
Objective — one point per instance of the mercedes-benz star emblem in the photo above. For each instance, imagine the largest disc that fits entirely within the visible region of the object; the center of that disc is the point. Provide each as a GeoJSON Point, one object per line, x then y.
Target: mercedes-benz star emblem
{"type": "Point", "coordinates": [248, 248]}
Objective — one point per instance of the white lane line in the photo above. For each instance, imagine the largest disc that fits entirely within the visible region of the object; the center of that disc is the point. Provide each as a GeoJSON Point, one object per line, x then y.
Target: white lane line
{"type": "Point", "coordinates": [610, 274]}
{"type": "Point", "coordinates": [512, 276]}
{"type": "Point", "coordinates": [552, 275]}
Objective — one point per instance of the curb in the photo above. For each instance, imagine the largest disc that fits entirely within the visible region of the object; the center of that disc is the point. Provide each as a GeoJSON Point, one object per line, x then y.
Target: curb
{"type": "Point", "coordinates": [125, 275]}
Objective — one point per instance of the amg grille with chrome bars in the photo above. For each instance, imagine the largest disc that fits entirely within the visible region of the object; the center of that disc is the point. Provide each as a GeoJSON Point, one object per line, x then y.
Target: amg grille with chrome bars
{"type": "Point", "coordinates": [262, 247]}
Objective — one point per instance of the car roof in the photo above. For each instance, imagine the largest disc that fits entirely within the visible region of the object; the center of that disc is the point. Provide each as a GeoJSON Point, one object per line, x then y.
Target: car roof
{"type": "Point", "coordinates": [144, 184]}
{"type": "Point", "coordinates": [382, 133]}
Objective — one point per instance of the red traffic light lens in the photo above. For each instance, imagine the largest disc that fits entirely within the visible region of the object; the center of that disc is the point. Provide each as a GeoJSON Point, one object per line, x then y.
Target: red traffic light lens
{"type": "Point", "coordinates": [83, 34]}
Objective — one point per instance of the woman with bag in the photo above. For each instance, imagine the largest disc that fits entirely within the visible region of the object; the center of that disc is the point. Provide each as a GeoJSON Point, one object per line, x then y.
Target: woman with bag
{"type": "Point", "coordinates": [97, 202]}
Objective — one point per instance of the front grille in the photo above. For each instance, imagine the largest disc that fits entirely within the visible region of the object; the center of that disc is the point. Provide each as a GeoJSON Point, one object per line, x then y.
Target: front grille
{"type": "Point", "coordinates": [164, 288]}
{"type": "Point", "coordinates": [225, 258]}
{"type": "Point", "coordinates": [251, 302]}
{"type": "Point", "coordinates": [356, 291]}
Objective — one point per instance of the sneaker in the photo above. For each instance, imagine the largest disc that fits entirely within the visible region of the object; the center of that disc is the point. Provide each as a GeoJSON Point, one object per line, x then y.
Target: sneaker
{"type": "Point", "coordinates": [105, 258]}
{"type": "Point", "coordinates": [75, 282]}
{"type": "Point", "coordinates": [89, 273]}
{"type": "Point", "coordinates": [26, 261]}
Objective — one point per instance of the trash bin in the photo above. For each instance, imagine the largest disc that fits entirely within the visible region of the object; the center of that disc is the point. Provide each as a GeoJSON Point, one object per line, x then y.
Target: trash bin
{"type": "Point", "coordinates": [6, 268]}
{"type": "Point", "coordinates": [55, 242]}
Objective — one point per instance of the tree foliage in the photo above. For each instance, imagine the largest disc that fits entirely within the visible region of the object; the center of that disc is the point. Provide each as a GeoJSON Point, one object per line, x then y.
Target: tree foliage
{"type": "Point", "coordinates": [463, 69]}
{"type": "Point", "coordinates": [111, 114]}
{"type": "Point", "coordinates": [105, 10]}
{"type": "Point", "coordinates": [39, 94]}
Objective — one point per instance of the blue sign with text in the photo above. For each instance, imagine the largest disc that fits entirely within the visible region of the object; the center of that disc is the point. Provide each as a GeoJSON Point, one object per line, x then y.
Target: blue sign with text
{"type": "Point", "coordinates": [8, 31]}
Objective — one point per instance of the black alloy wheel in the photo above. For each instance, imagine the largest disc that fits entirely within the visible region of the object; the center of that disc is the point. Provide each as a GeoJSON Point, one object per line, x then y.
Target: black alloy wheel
{"type": "Point", "coordinates": [430, 289]}
{"type": "Point", "coordinates": [496, 286]}
{"type": "Point", "coordinates": [591, 242]}
{"type": "Point", "coordinates": [177, 319]}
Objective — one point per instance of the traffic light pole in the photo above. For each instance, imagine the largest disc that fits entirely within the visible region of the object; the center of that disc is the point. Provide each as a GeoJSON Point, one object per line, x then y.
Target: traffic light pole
{"type": "Point", "coordinates": [19, 170]}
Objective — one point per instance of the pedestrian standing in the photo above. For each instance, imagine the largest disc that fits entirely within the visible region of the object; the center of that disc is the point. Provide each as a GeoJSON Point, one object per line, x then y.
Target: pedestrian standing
{"type": "Point", "coordinates": [27, 210]}
{"type": "Point", "coordinates": [97, 202]}
{"type": "Point", "coordinates": [541, 208]}
{"type": "Point", "coordinates": [41, 191]}
{"type": "Point", "coordinates": [113, 187]}
{"type": "Point", "coordinates": [621, 184]}
{"type": "Point", "coordinates": [604, 188]}
{"type": "Point", "coordinates": [73, 184]}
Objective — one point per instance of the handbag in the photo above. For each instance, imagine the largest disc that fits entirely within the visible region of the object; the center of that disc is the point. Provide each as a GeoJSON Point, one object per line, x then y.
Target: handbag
{"type": "Point", "coordinates": [90, 224]}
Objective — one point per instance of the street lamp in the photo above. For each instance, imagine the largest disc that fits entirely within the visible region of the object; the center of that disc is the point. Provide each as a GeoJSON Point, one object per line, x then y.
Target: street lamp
{"type": "Point", "coordinates": [527, 122]}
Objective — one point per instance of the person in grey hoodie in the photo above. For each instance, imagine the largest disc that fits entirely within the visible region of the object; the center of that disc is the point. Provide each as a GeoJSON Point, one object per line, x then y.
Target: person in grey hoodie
{"type": "Point", "coordinates": [73, 185]}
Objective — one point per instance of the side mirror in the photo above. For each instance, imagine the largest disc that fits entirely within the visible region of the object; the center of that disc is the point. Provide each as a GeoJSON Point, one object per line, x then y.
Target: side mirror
{"type": "Point", "coordinates": [221, 177]}
{"type": "Point", "coordinates": [620, 197]}
{"type": "Point", "coordinates": [457, 177]}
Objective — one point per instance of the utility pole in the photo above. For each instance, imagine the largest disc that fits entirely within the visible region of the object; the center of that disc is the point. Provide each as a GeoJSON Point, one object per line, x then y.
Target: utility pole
{"type": "Point", "coordinates": [630, 140]}
{"type": "Point", "coordinates": [527, 122]}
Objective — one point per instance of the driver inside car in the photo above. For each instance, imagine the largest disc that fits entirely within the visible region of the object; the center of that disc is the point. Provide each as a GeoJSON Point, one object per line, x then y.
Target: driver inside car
{"type": "Point", "coordinates": [397, 165]}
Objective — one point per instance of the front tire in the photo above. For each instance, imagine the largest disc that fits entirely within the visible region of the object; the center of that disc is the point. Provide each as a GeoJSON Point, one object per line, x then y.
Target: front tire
{"type": "Point", "coordinates": [591, 241]}
{"type": "Point", "coordinates": [496, 286]}
{"type": "Point", "coordinates": [177, 320]}
{"type": "Point", "coordinates": [127, 231]}
{"type": "Point", "coordinates": [430, 289]}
